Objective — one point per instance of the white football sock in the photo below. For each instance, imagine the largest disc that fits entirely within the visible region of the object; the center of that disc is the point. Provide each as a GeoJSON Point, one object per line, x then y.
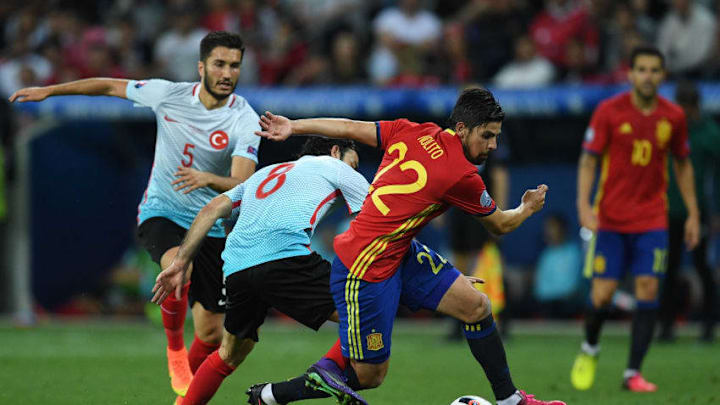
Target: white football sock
{"type": "Point", "coordinates": [592, 350]}
{"type": "Point", "coordinates": [267, 395]}
{"type": "Point", "coordinates": [630, 373]}
{"type": "Point", "coordinates": [513, 399]}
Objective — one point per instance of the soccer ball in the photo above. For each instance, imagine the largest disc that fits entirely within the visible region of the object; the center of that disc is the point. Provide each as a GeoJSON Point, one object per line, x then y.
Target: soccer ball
{"type": "Point", "coordinates": [470, 400]}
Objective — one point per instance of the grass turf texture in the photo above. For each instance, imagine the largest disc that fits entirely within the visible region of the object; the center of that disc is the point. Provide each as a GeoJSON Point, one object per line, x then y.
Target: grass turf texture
{"type": "Point", "coordinates": [124, 363]}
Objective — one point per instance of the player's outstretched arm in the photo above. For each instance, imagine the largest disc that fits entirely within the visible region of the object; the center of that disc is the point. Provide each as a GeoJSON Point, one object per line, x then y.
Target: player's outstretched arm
{"type": "Point", "coordinates": [173, 277]}
{"type": "Point", "coordinates": [586, 175]}
{"type": "Point", "coordinates": [686, 183]}
{"type": "Point", "coordinates": [89, 87]}
{"type": "Point", "coordinates": [279, 128]}
{"type": "Point", "coordinates": [501, 222]}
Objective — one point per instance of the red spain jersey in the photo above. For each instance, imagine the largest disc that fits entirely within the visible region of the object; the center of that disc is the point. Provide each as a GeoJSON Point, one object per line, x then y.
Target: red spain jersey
{"type": "Point", "coordinates": [422, 173]}
{"type": "Point", "coordinates": [634, 149]}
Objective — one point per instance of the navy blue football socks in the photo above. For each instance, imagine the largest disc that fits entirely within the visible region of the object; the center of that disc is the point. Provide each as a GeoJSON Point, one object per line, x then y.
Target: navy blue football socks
{"type": "Point", "coordinates": [643, 327]}
{"type": "Point", "coordinates": [486, 345]}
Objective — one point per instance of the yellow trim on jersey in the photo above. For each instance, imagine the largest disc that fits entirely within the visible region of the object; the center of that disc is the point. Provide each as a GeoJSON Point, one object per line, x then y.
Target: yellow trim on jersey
{"type": "Point", "coordinates": [377, 246]}
{"type": "Point", "coordinates": [353, 311]}
{"type": "Point", "coordinates": [666, 177]}
{"type": "Point", "coordinates": [362, 257]}
{"type": "Point", "coordinates": [348, 286]}
{"type": "Point", "coordinates": [360, 266]}
{"type": "Point", "coordinates": [450, 131]}
{"type": "Point", "coordinates": [590, 257]}
{"type": "Point", "coordinates": [605, 168]}
{"type": "Point", "coordinates": [358, 337]}
{"type": "Point", "coordinates": [590, 254]}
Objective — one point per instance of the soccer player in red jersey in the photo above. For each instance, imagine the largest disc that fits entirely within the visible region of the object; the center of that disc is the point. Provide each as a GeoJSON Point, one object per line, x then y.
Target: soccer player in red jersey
{"type": "Point", "coordinates": [632, 135]}
{"type": "Point", "coordinates": [424, 171]}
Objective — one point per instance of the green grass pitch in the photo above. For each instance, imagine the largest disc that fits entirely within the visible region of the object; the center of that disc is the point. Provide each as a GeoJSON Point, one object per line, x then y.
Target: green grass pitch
{"type": "Point", "coordinates": [108, 362]}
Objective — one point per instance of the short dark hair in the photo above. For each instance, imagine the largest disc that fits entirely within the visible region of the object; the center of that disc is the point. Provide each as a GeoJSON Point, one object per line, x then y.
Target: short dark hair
{"type": "Point", "coordinates": [320, 145]}
{"type": "Point", "coordinates": [687, 94]}
{"type": "Point", "coordinates": [220, 38]}
{"type": "Point", "coordinates": [476, 106]}
{"type": "Point", "coordinates": [646, 50]}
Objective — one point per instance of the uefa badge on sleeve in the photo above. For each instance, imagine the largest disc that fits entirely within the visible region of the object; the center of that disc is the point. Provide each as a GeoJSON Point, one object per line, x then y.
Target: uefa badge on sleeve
{"type": "Point", "coordinates": [485, 199]}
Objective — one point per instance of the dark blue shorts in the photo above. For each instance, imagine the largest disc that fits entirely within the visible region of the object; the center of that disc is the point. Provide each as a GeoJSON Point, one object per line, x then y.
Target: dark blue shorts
{"type": "Point", "coordinates": [367, 310]}
{"type": "Point", "coordinates": [643, 254]}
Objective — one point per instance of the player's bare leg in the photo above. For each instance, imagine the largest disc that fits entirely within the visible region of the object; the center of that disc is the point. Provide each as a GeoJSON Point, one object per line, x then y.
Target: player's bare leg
{"type": "Point", "coordinates": [643, 325]}
{"type": "Point", "coordinates": [462, 262]}
{"type": "Point", "coordinates": [218, 365]}
{"type": "Point", "coordinates": [174, 312]}
{"type": "Point", "coordinates": [208, 335]}
{"type": "Point", "coordinates": [370, 375]}
{"type": "Point", "coordinates": [582, 375]}
{"type": "Point", "coordinates": [601, 295]}
{"type": "Point", "coordinates": [464, 302]}
{"type": "Point", "coordinates": [602, 291]}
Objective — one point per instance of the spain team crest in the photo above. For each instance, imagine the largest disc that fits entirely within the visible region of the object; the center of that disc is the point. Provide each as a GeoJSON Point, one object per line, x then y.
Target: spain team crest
{"type": "Point", "coordinates": [626, 128]}
{"type": "Point", "coordinates": [374, 341]}
{"type": "Point", "coordinates": [663, 131]}
{"type": "Point", "coordinates": [599, 264]}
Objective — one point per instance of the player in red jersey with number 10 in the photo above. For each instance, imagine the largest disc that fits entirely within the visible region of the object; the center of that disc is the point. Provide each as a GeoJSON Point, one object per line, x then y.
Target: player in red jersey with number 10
{"type": "Point", "coordinates": [424, 171]}
{"type": "Point", "coordinates": [632, 134]}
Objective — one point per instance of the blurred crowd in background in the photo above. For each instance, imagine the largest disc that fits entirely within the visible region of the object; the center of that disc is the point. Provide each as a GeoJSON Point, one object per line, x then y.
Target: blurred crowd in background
{"type": "Point", "coordinates": [387, 43]}
{"type": "Point", "coordinates": [509, 43]}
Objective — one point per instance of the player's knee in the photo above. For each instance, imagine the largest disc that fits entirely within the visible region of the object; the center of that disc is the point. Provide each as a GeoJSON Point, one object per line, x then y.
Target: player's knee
{"type": "Point", "coordinates": [209, 333]}
{"type": "Point", "coordinates": [234, 354]}
{"type": "Point", "coordinates": [371, 377]}
{"type": "Point", "coordinates": [601, 297]}
{"type": "Point", "coordinates": [646, 289]}
{"type": "Point", "coordinates": [373, 381]}
{"type": "Point", "coordinates": [168, 257]}
{"type": "Point", "coordinates": [600, 301]}
{"type": "Point", "coordinates": [477, 309]}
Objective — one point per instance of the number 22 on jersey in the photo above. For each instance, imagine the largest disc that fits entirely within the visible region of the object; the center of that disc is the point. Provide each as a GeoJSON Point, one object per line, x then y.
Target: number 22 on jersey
{"type": "Point", "coordinates": [409, 188]}
{"type": "Point", "coordinates": [434, 266]}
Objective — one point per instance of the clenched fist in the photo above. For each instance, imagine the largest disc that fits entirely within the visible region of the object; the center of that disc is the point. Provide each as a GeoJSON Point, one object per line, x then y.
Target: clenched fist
{"type": "Point", "coordinates": [535, 199]}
